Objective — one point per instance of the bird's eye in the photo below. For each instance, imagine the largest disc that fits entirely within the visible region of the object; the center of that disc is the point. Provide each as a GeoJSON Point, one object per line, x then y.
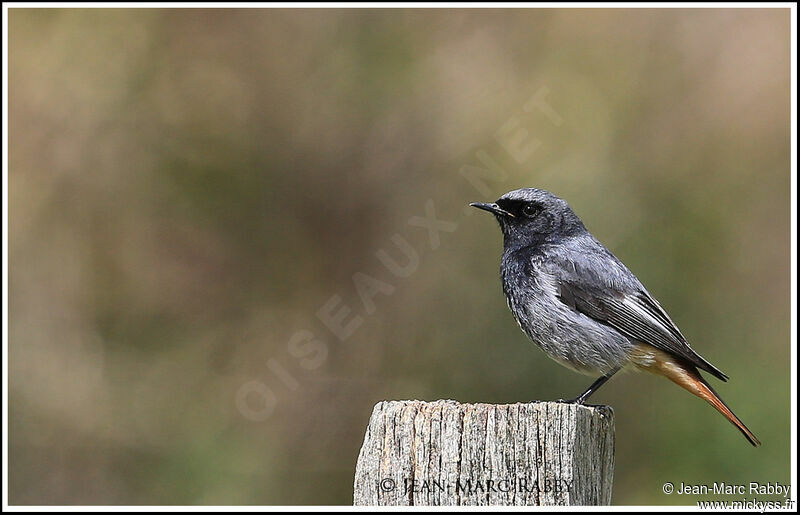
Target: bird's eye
{"type": "Point", "coordinates": [530, 210]}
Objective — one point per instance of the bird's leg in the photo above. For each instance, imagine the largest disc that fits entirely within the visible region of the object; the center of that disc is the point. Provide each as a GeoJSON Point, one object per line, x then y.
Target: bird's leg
{"type": "Point", "coordinates": [580, 399]}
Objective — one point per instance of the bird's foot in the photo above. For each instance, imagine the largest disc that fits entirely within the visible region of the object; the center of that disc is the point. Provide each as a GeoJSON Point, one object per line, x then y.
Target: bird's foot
{"type": "Point", "coordinates": [577, 400]}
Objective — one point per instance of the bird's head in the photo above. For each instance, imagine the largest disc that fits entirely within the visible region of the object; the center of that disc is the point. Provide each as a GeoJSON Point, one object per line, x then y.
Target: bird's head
{"type": "Point", "coordinates": [531, 216]}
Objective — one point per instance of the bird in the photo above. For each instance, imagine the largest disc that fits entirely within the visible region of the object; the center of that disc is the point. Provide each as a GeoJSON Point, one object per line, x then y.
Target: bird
{"type": "Point", "coordinates": [583, 307]}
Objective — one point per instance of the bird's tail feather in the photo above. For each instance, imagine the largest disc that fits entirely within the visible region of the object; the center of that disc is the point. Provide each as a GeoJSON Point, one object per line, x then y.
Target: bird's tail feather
{"type": "Point", "coordinates": [687, 377]}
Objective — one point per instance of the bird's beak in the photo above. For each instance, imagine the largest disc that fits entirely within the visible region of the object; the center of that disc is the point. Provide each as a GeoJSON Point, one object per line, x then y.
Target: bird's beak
{"type": "Point", "coordinates": [492, 208]}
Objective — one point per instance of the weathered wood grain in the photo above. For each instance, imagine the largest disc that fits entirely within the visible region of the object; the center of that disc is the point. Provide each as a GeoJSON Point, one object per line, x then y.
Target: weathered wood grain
{"type": "Point", "coordinates": [447, 453]}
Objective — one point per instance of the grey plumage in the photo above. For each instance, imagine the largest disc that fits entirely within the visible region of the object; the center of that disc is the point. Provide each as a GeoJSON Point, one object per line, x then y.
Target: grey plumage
{"type": "Point", "coordinates": [572, 296]}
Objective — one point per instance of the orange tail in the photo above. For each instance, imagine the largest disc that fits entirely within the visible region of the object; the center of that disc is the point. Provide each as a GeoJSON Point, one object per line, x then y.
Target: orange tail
{"type": "Point", "coordinates": [687, 376]}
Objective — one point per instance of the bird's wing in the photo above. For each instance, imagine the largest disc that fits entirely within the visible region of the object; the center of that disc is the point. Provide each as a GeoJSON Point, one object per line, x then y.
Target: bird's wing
{"type": "Point", "coordinates": [602, 288]}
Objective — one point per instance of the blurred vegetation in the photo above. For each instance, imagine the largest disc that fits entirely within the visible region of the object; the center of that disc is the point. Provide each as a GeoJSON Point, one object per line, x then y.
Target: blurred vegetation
{"type": "Point", "coordinates": [189, 187]}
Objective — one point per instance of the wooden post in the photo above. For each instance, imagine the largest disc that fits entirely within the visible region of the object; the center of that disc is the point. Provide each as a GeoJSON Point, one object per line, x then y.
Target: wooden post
{"type": "Point", "coordinates": [447, 453]}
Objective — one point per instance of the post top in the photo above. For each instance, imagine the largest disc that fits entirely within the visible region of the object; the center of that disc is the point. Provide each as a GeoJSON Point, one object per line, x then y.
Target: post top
{"type": "Point", "coordinates": [594, 409]}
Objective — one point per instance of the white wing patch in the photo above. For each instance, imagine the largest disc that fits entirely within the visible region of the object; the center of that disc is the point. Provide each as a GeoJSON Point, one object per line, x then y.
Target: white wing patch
{"type": "Point", "coordinates": [655, 323]}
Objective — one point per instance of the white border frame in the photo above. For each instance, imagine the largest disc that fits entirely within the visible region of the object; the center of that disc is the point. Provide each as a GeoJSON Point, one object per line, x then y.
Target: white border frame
{"type": "Point", "coordinates": [793, 267]}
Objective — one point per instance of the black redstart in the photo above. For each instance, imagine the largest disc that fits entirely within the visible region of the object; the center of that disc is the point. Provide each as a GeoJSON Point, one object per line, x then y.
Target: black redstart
{"type": "Point", "coordinates": [583, 307]}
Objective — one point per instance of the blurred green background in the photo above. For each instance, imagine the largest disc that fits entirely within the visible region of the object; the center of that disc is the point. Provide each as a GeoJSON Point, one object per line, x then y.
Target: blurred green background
{"type": "Point", "coordinates": [188, 188]}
